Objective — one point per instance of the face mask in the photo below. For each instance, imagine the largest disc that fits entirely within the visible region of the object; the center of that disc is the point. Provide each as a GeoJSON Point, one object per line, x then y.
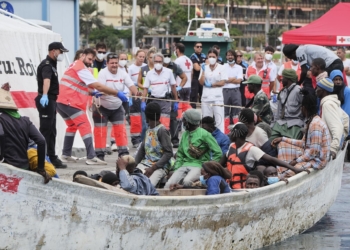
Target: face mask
{"type": "Point", "coordinates": [295, 61]}
{"type": "Point", "coordinates": [212, 61]}
{"type": "Point", "coordinates": [122, 63]}
{"type": "Point", "coordinates": [158, 66]}
{"type": "Point", "coordinates": [268, 57]}
{"type": "Point", "coordinates": [167, 60]}
{"type": "Point", "coordinates": [272, 180]}
{"type": "Point", "coordinates": [100, 56]}
{"type": "Point", "coordinates": [231, 62]}
{"type": "Point", "coordinates": [59, 58]}
{"type": "Point", "coordinates": [202, 180]}
{"type": "Point", "coordinates": [337, 88]}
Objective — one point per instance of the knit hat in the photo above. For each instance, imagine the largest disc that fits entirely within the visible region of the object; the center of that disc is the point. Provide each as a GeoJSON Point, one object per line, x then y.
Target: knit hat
{"type": "Point", "coordinates": [192, 116]}
{"type": "Point", "coordinates": [289, 49]}
{"type": "Point", "coordinates": [290, 74]}
{"type": "Point", "coordinates": [335, 73]}
{"type": "Point", "coordinates": [326, 84]}
{"type": "Point", "coordinates": [153, 111]}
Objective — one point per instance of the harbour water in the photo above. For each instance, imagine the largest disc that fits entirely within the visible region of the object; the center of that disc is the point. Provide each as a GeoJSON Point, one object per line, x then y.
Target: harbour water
{"type": "Point", "coordinates": [332, 231]}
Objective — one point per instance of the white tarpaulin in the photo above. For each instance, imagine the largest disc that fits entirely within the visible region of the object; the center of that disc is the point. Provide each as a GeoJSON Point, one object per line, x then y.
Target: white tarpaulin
{"type": "Point", "coordinates": [23, 47]}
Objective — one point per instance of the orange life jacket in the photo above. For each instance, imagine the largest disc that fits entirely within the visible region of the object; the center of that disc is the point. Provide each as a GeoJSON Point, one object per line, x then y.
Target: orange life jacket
{"type": "Point", "coordinates": [288, 65]}
{"type": "Point", "coordinates": [73, 91]}
{"type": "Point", "coordinates": [236, 164]}
{"type": "Point", "coordinates": [265, 76]}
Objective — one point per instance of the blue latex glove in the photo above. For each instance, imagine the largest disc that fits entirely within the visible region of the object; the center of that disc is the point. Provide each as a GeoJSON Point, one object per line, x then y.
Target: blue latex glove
{"type": "Point", "coordinates": [44, 101]}
{"type": "Point", "coordinates": [130, 101]}
{"type": "Point", "coordinates": [176, 106]}
{"type": "Point", "coordinates": [96, 93]}
{"type": "Point", "coordinates": [274, 98]}
{"type": "Point", "coordinates": [207, 84]}
{"type": "Point", "coordinates": [143, 106]}
{"type": "Point", "coordinates": [203, 66]}
{"type": "Point", "coordinates": [178, 88]}
{"type": "Point", "coordinates": [122, 97]}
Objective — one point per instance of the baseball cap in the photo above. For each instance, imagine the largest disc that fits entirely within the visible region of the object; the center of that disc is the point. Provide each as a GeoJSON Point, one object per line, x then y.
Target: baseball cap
{"type": "Point", "coordinates": [166, 52]}
{"type": "Point", "coordinates": [254, 79]}
{"type": "Point", "coordinates": [57, 45]}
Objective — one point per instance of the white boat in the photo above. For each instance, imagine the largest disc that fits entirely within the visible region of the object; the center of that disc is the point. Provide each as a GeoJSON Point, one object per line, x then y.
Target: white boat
{"type": "Point", "coordinates": [67, 215]}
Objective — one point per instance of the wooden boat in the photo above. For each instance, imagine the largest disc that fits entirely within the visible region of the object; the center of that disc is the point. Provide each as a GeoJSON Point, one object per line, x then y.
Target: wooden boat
{"type": "Point", "coordinates": [67, 215]}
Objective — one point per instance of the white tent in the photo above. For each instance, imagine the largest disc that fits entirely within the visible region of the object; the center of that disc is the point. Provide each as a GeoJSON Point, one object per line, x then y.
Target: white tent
{"type": "Point", "coordinates": [23, 47]}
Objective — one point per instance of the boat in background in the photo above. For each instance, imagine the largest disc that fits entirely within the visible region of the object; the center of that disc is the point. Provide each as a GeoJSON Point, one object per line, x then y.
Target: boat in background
{"type": "Point", "coordinates": [67, 215]}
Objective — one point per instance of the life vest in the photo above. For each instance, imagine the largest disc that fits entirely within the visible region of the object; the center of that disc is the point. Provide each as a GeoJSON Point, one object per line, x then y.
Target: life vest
{"type": "Point", "coordinates": [265, 76]}
{"type": "Point", "coordinates": [236, 164]}
{"type": "Point", "coordinates": [288, 65]}
{"type": "Point", "coordinates": [73, 91]}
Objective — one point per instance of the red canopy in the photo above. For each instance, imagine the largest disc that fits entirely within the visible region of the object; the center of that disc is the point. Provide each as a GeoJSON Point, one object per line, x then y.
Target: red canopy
{"type": "Point", "coordinates": [330, 29]}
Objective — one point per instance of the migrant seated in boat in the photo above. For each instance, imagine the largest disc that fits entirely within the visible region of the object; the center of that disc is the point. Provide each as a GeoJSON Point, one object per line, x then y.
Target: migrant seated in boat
{"type": "Point", "coordinates": [343, 93]}
{"type": "Point", "coordinates": [196, 146]}
{"type": "Point", "coordinates": [15, 133]}
{"type": "Point", "coordinates": [242, 156]}
{"type": "Point", "coordinates": [289, 117]}
{"type": "Point", "coordinates": [208, 123]}
{"type": "Point", "coordinates": [271, 175]}
{"type": "Point", "coordinates": [257, 135]}
{"type": "Point", "coordinates": [255, 179]}
{"type": "Point", "coordinates": [133, 181]}
{"type": "Point", "coordinates": [155, 152]}
{"type": "Point", "coordinates": [312, 151]}
{"type": "Point", "coordinates": [335, 118]}
{"type": "Point", "coordinates": [214, 177]}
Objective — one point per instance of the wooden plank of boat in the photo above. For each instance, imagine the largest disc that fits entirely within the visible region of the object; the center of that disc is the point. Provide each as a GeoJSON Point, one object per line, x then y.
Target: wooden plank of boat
{"type": "Point", "coordinates": [69, 215]}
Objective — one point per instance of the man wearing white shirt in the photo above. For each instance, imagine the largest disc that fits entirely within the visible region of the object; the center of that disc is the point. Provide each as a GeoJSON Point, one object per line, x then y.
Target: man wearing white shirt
{"type": "Point", "coordinates": [111, 108]}
{"type": "Point", "coordinates": [162, 83]}
{"type": "Point", "coordinates": [231, 91]}
{"type": "Point", "coordinates": [213, 78]}
{"type": "Point", "coordinates": [346, 62]}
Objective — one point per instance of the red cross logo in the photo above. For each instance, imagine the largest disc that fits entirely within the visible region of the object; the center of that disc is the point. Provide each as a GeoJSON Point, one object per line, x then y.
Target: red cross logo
{"type": "Point", "coordinates": [187, 64]}
{"type": "Point", "coordinates": [342, 40]}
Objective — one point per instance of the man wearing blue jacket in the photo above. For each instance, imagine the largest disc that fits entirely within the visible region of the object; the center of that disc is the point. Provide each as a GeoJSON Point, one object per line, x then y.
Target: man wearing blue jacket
{"type": "Point", "coordinates": [208, 123]}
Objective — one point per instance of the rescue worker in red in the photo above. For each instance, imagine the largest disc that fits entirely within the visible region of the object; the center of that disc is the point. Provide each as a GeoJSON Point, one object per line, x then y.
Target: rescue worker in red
{"type": "Point", "coordinates": [259, 68]}
{"type": "Point", "coordinates": [76, 87]}
{"type": "Point", "coordinates": [111, 108]}
{"type": "Point", "coordinates": [242, 156]}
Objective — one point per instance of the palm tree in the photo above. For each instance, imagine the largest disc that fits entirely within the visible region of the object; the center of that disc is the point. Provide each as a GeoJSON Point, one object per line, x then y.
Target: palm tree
{"type": "Point", "coordinates": [89, 18]}
{"type": "Point", "coordinates": [141, 3]}
{"type": "Point", "coordinates": [170, 8]}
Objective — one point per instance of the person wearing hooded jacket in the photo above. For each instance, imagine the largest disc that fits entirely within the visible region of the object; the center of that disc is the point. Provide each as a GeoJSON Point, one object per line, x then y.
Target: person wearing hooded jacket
{"type": "Point", "coordinates": [335, 118]}
{"type": "Point", "coordinates": [341, 90]}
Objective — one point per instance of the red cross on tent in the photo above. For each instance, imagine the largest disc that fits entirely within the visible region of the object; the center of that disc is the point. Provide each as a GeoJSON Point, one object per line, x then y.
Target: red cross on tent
{"type": "Point", "coordinates": [342, 40]}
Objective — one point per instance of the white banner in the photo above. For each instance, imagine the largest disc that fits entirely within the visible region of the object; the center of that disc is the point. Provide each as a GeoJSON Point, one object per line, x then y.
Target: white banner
{"type": "Point", "coordinates": [23, 47]}
{"type": "Point", "coordinates": [343, 40]}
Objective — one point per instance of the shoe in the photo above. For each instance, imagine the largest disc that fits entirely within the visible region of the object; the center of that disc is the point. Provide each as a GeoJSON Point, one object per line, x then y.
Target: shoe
{"type": "Point", "coordinates": [101, 157]}
{"type": "Point", "coordinates": [175, 144]}
{"type": "Point", "coordinates": [95, 161]}
{"type": "Point", "coordinates": [114, 147]}
{"type": "Point", "coordinates": [135, 145]}
{"type": "Point", "coordinates": [58, 163]}
{"type": "Point", "coordinates": [66, 159]}
{"type": "Point", "coordinates": [108, 151]}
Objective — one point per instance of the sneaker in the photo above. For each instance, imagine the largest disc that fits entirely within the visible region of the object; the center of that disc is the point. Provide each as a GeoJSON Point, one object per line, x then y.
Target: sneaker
{"type": "Point", "coordinates": [95, 161]}
{"type": "Point", "coordinates": [58, 163]}
{"type": "Point", "coordinates": [135, 145]}
{"type": "Point", "coordinates": [101, 157]}
{"type": "Point", "coordinates": [114, 147]}
{"type": "Point", "coordinates": [67, 159]}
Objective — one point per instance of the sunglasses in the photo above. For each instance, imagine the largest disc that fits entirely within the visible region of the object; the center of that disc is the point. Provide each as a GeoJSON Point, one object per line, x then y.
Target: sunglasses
{"type": "Point", "coordinates": [239, 55]}
{"type": "Point", "coordinates": [198, 46]}
{"type": "Point", "coordinates": [101, 52]}
{"type": "Point", "coordinates": [112, 56]}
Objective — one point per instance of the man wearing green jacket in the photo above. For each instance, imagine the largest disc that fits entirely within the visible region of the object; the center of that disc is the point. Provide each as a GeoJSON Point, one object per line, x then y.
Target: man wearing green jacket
{"type": "Point", "coordinates": [196, 147]}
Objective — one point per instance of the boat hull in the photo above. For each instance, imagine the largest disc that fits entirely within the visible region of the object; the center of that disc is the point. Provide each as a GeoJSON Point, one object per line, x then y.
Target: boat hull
{"type": "Point", "coordinates": [65, 215]}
